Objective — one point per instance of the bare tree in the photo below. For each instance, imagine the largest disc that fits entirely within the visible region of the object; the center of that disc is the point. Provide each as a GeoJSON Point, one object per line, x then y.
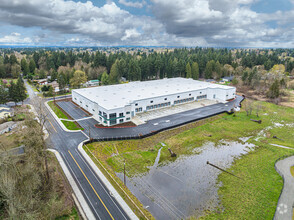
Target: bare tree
{"type": "Point", "coordinates": [248, 106]}
{"type": "Point", "coordinates": [39, 131]}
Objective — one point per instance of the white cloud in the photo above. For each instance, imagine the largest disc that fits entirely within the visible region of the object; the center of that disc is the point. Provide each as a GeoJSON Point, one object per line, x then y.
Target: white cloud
{"type": "Point", "coordinates": [132, 4]}
{"type": "Point", "coordinates": [15, 38]}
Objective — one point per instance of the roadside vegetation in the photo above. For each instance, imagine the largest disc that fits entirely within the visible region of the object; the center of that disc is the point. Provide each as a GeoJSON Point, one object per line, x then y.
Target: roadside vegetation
{"type": "Point", "coordinates": [256, 195]}
{"type": "Point", "coordinates": [60, 114]}
{"type": "Point", "coordinates": [32, 185]}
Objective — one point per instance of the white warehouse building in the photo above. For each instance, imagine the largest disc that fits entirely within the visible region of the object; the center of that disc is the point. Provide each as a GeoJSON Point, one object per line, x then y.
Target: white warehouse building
{"type": "Point", "coordinates": [116, 104]}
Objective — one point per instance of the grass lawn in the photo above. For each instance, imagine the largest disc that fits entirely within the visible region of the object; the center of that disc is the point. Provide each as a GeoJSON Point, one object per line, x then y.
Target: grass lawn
{"type": "Point", "coordinates": [70, 125]}
{"type": "Point", "coordinates": [254, 197]}
{"type": "Point", "coordinates": [57, 110]}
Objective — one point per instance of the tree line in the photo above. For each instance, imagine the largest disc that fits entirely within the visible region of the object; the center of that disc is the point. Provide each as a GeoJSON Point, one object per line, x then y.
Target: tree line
{"type": "Point", "coordinates": [14, 91]}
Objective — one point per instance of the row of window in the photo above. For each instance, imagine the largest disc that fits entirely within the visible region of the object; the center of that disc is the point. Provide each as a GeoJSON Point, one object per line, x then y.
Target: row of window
{"type": "Point", "coordinates": [202, 97]}
{"type": "Point", "coordinates": [184, 100]}
{"type": "Point", "coordinates": [165, 99]}
{"type": "Point", "coordinates": [139, 109]}
{"type": "Point", "coordinates": [157, 106]}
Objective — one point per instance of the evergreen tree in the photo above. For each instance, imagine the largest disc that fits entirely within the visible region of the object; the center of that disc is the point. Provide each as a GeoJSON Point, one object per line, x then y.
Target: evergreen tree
{"type": "Point", "coordinates": [13, 92]}
{"type": "Point", "coordinates": [32, 66]}
{"type": "Point", "coordinates": [61, 81]}
{"type": "Point", "coordinates": [188, 71]}
{"type": "Point", "coordinates": [134, 70]}
{"type": "Point", "coordinates": [114, 73]}
{"type": "Point", "coordinates": [4, 96]}
{"type": "Point", "coordinates": [274, 90]}
{"type": "Point", "coordinates": [210, 67]}
{"type": "Point", "coordinates": [195, 70]}
{"type": "Point", "coordinates": [21, 90]}
{"type": "Point", "coordinates": [105, 79]}
{"type": "Point", "coordinates": [25, 67]}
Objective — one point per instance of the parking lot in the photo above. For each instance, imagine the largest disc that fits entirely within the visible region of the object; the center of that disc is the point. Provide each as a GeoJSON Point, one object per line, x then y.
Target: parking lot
{"type": "Point", "coordinates": [150, 126]}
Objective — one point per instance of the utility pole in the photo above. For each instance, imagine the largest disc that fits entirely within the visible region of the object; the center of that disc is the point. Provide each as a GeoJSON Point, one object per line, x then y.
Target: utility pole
{"type": "Point", "coordinates": [125, 173]}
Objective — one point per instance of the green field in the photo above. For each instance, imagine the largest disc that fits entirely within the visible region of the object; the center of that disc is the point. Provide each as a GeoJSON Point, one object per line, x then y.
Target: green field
{"type": "Point", "coordinates": [68, 124]}
{"type": "Point", "coordinates": [254, 197]}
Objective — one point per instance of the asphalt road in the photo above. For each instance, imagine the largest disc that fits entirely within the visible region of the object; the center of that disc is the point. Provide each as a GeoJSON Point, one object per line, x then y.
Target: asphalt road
{"type": "Point", "coordinates": [102, 204]}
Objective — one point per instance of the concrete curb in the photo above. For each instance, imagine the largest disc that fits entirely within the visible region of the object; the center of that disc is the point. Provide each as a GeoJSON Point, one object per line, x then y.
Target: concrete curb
{"type": "Point", "coordinates": [58, 119]}
{"type": "Point", "coordinates": [80, 201]}
{"type": "Point", "coordinates": [108, 185]}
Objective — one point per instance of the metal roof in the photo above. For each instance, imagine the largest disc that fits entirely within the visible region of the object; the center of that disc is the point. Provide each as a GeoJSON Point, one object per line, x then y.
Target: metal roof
{"type": "Point", "coordinates": [118, 96]}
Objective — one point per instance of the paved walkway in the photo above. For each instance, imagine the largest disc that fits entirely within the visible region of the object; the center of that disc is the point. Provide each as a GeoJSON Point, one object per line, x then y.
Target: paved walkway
{"type": "Point", "coordinates": [285, 205]}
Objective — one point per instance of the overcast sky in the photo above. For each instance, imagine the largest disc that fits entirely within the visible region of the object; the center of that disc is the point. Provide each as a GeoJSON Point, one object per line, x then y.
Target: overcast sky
{"type": "Point", "coordinates": [220, 23]}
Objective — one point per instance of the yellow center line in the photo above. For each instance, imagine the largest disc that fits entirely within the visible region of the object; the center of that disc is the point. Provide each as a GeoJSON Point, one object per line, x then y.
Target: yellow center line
{"type": "Point", "coordinates": [52, 125]}
{"type": "Point", "coordinates": [91, 186]}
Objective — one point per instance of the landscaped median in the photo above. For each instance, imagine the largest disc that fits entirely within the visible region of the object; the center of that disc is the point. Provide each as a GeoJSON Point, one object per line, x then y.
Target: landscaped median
{"type": "Point", "coordinates": [70, 125]}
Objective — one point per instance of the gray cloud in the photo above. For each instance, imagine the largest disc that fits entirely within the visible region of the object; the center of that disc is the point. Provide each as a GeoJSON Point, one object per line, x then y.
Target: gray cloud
{"type": "Point", "coordinates": [182, 23]}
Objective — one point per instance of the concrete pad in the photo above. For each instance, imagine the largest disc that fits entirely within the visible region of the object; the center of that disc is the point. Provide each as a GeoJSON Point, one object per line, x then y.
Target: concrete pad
{"type": "Point", "coordinates": [142, 118]}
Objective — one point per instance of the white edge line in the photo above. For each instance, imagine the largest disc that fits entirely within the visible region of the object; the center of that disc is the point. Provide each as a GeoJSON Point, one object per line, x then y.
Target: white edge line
{"type": "Point", "coordinates": [107, 184]}
{"type": "Point", "coordinates": [99, 181]}
{"type": "Point", "coordinates": [85, 209]}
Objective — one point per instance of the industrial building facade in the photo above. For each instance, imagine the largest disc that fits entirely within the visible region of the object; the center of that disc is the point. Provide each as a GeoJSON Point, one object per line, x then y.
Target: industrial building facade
{"type": "Point", "coordinates": [116, 104]}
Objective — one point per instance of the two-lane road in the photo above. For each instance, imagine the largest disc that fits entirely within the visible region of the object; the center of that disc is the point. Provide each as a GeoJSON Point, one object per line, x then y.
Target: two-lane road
{"type": "Point", "coordinates": [102, 204]}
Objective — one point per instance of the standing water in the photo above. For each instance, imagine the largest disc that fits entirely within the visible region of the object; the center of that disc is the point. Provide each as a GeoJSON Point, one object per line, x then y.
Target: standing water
{"type": "Point", "coordinates": [187, 186]}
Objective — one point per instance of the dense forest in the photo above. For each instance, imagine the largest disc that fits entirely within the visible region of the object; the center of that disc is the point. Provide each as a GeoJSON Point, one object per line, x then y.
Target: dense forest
{"type": "Point", "coordinates": [257, 68]}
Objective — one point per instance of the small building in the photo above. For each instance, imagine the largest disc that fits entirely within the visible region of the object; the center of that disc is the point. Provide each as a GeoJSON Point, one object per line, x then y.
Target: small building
{"type": "Point", "coordinates": [91, 83]}
{"type": "Point", "coordinates": [42, 82]}
{"type": "Point", "coordinates": [5, 112]}
{"type": "Point", "coordinates": [228, 78]}
{"type": "Point", "coordinates": [210, 80]}
{"type": "Point", "coordinates": [55, 86]}
{"type": "Point", "coordinates": [116, 104]}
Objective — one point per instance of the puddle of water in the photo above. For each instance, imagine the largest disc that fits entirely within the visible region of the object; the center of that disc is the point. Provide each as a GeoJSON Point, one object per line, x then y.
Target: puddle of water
{"type": "Point", "coordinates": [187, 186]}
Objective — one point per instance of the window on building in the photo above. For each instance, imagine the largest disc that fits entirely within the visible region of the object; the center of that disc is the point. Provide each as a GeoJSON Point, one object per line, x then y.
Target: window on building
{"type": "Point", "coordinates": [151, 101]}
{"type": "Point", "coordinates": [136, 104]}
{"type": "Point", "coordinates": [178, 96]}
{"type": "Point", "coordinates": [87, 106]}
{"type": "Point", "coordinates": [80, 101]}
{"type": "Point", "coordinates": [112, 122]}
{"type": "Point", "coordinates": [127, 113]}
{"type": "Point", "coordinates": [100, 113]}
{"type": "Point", "coordinates": [190, 94]}
{"type": "Point", "coordinates": [200, 92]}
{"type": "Point", "coordinates": [93, 110]}
{"type": "Point", "coordinates": [75, 98]}
{"type": "Point", "coordinates": [121, 120]}
{"type": "Point", "coordinates": [112, 115]}
{"type": "Point", "coordinates": [165, 98]}
{"type": "Point", "coordinates": [128, 119]}
{"type": "Point", "coordinates": [121, 114]}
